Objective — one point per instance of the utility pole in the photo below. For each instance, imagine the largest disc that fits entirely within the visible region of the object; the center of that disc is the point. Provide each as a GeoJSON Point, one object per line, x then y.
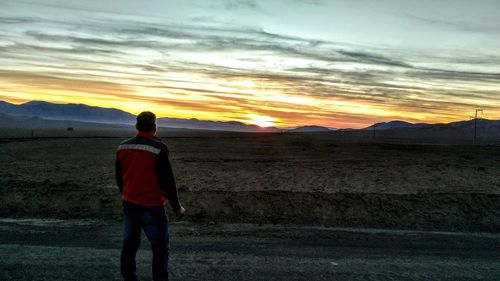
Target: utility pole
{"type": "Point", "coordinates": [474, 141]}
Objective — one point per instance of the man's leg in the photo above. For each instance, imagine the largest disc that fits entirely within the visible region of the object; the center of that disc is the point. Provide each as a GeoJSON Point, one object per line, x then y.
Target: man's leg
{"type": "Point", "coordinates": [156, 229]}
{"type": "Point", "coordinates": [131, 242]}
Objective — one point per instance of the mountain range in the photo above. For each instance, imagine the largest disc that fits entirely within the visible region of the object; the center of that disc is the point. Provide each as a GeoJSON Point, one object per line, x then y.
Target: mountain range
{"type": "Point", "coordinates": [69, 112]}
{"type": "Point", "coordinates": [402, 125]}
{"type": "Point", "coordinates": [44, 115]}
{"type": "Point", "coordinates": [85, 113]}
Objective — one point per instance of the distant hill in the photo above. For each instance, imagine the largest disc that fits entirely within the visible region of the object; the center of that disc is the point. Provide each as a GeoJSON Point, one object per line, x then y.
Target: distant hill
{"type": "Point", "coordinates": [69, 112]}
{"type": "Point", "coordinates": [47, 119]}
{"type": "Point", "coordinates": [309, 129]}
{"type": "Point", "coordinates": [37, 114]}
{"type": "Point", "coordinates": [405, 126]}
{"type": "Point", "coordinates": [194, 123]}
{"type": "Point", "coordinates": [396, 124]}
{"type": "Point", "coordinates": [481, 123]}
{"type": "Point", "coordinates": [461, 132]}
{"type": "Point", "coordinates": [30, 122]}
{"type": "Point", "coordinates": [85, 113]}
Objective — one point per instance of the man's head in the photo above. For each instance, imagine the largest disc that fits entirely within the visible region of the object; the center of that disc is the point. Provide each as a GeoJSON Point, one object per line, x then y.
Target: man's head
{"type": "Point", "coordinates": [146, 122]}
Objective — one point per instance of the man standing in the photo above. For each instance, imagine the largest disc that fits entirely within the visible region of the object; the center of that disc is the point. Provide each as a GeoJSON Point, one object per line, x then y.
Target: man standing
{"type": "Point", "coordinates": [145, 179]}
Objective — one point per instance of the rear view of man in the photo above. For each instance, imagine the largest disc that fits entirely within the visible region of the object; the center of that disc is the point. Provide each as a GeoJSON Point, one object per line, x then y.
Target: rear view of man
{"type": "Point", "coordinates": [145, 179]}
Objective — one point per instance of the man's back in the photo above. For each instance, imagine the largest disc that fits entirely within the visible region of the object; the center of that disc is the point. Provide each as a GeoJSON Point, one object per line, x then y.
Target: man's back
{"type": "Point", "coordinates": [144, 174]}
{"type": "Point", "coordinates": [138, 160]}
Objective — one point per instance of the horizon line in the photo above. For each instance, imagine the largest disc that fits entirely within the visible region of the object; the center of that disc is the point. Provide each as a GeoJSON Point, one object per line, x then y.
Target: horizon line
{"type": "Point", "coordinates": [246, 124]}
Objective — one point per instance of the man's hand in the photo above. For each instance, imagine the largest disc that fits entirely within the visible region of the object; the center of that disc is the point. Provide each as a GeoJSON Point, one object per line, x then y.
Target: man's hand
{"type": "Point", "coordinates": [181, 214]}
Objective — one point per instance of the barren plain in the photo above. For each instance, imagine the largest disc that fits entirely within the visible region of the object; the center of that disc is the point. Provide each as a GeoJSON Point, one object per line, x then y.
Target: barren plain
{"type": "Point", "coordinates": [303, 179]}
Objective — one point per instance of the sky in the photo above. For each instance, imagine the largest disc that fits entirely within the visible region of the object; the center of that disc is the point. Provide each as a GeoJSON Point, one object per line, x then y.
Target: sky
{"type": "Point", "coordinates": [342, 64]}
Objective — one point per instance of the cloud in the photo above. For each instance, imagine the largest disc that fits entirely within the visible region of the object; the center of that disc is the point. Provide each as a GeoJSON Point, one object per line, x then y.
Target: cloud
{"type": "Point", "coordinates": [14, 20]}
{"type": "Point", "coordinates": [202, 39]}
{"type": "Point", "coordinates": [373, 59]}
{"type": "Point", "coordinates": [457, 25]}
{"type": "Point", "coordinates": [155, 62]}
{"type": "Point", "coordinates": [235, 5]}
{"type": "Point", "coordinates": [54, 82]}
{"type": "Point", "coordinates": [464, 76]}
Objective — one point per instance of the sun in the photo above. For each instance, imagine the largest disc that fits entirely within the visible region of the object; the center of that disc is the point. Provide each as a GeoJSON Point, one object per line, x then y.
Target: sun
{"type": "Point", "coordinates": [261, 121]}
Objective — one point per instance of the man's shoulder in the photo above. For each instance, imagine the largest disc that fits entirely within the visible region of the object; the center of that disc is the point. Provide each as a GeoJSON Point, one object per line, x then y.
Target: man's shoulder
{"type": "Point", "coordinates": [129, 140]}
{"type": "Point", "coordinates": [163, 146]}
{"type": "Point", "coordinates": [159, 143]}
{"type": "Point", "coordinates": [154, 142]}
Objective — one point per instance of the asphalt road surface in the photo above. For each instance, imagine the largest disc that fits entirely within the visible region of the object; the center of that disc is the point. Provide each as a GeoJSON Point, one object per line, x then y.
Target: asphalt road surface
{"type": "Point", "coordinates": [89, 250]}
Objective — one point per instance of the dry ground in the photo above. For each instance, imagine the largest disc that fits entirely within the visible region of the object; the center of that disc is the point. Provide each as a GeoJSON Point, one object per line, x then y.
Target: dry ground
{"type": "Point", "coordinates": [314, 179]}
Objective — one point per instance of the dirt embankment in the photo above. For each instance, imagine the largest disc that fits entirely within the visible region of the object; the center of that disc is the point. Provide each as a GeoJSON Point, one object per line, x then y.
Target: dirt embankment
{"type": "Point", "coordinates": [443, 211]}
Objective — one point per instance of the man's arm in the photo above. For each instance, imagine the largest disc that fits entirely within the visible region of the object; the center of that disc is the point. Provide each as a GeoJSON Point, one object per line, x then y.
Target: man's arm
{"type": "Point", "coordinates": [118, 175]}
{"type": "Point", "coordinates": [167, 180]}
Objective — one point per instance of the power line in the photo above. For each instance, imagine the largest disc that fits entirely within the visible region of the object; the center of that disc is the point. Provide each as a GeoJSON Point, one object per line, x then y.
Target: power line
{"type": "Point", "coordinates": [474, 140]}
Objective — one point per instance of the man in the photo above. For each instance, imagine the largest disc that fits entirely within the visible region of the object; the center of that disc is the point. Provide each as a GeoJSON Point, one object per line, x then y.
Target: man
{"type": "Point", "coordinates": [145, 179]}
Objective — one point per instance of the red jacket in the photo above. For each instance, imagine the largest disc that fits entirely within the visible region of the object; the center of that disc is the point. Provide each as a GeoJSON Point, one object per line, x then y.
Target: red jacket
{"type": "Point", "coordinates": [143, 172]}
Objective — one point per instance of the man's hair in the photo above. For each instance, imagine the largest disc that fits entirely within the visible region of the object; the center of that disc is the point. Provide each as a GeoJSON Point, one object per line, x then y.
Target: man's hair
{"type": "Point", "coordinates": [145, 121]}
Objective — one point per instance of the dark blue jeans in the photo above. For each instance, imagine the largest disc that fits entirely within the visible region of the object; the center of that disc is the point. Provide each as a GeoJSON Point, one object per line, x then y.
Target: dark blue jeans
{"type": "Point", "coordinates": [154, 223]}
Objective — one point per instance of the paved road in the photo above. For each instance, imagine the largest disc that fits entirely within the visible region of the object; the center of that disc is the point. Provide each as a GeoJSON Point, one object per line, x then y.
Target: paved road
{"type": "Point", "coordinates": [88, 250]}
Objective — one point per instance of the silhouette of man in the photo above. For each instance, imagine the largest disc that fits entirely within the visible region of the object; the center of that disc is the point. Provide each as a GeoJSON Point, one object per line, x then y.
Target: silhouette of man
{"type": "Point", "coordinates": [145, 179]}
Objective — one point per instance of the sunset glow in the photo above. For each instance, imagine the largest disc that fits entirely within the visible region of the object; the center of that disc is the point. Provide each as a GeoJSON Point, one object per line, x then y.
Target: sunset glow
{"type": "Point", "coordinates": [269, 63]}
{"type": "Point", "coordinates": [261, 121]}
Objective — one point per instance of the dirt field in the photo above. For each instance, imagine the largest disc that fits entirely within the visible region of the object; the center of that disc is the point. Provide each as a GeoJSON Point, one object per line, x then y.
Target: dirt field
{"type": "Point", "coordinates": [312, 179]}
